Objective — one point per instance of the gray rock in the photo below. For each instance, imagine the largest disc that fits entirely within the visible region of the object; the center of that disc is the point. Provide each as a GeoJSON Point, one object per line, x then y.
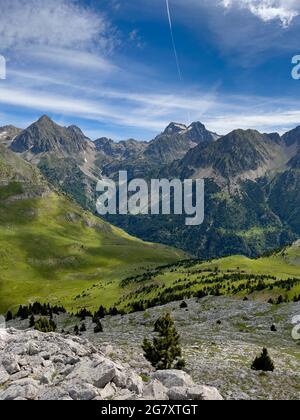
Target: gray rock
{"type": "Point", "coordinates": [72, 360]}
{"type": "Point", "coordinates": [33, 349]}
{"type": "Point", "coordinates": [179, 393]}
{"type": "Point", "coordinates": [53, 394]}
{"type": "Point", "coordinates": [128, 380]}
{"type": "Point", "coordinates": [155, 391]}
{"type": "Point", "coordinates": [108, 392]}
{"type": "Point", "coordinates": [99, 375]}
{"type": "Point", "coordinates": [195, 393]}
{"type": "Point", "coordinates": [10, 364]}
{"type": "Point", "coordinates": [173, 378]}
{"type": "Point", "coordinates": [24, 388]}
{"type": "Point", "coordinates": [60, 368]}
{"type": "Point", "coordinates": [4, 376]}
{"type": "Point", "coordinates": [202, 392]}
{"type": "Point", "coordinates": [84, 392]}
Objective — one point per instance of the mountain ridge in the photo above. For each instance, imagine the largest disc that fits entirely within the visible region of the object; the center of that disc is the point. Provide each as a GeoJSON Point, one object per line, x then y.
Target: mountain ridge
{"type": "Point", "coordinates": [247, 177]}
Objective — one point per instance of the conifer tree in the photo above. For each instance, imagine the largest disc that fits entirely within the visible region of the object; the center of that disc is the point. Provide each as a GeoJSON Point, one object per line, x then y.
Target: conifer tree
{"type": "Point", "coordinates": [165, 351]}
{"type": "Point", "coordinates": [263, 362]}
{"type": "Point", "coordinates": [9, 316]}
{"type": "Point", "coordinates": [31, 321]}
{"type": "Point", "coordinates": [98, 328]}
{"type": "Point", "coordinates": [45, 326]}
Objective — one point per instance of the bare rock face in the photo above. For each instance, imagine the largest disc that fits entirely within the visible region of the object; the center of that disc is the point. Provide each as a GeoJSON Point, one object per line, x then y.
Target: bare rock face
{"type": "Point", "coordinates": [37, 366]}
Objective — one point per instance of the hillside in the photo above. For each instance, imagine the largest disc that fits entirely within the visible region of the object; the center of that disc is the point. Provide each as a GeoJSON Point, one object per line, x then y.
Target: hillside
{"type": "Point", "coordinates": [238, 276]}
{"type": "Point", "coordinates": [51, 250]}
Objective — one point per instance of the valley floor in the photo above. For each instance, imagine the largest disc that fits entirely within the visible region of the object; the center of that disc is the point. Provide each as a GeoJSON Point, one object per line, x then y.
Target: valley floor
{"type": "Point", "coordinates": [220, 337]}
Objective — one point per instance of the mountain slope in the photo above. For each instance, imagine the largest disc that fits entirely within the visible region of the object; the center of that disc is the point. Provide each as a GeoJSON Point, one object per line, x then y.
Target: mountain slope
{"type": "Point", "coordinates": [52, 250]}
{"type": "Point", "coordinates": [255, 279]}
{"type": "Point", "coordinates": [242, 154]}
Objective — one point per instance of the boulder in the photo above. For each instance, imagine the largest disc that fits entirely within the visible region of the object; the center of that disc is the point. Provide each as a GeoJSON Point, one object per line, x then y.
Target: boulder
{"type": "Point", "coordinates": [99, 375]}
{"type": "Point", "coordinates": [173, 378]}
{"type": "Point", "coordinates": [84, 392]}
{"type": "Point", "coordinates": [155, 391]}
{"type": "Point", "coordinates": [4, 376]}
{"type": "Point", "coordinates": [24, 388]}
{"type": "Point", "coordinates": [195, 393]}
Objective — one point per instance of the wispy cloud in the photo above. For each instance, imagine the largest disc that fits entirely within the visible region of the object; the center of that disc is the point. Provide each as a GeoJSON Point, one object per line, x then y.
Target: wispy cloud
{"type": "Point", "coordinates": [267, 10]}
{"type": "Point", "coordinates": [56, 23]}
{"type": "Point", "coordinates": [71, 58]}
{"type": "Point", "coordinates": [152, 112]}
{"type": "Point", "coordinates": [80, 75]}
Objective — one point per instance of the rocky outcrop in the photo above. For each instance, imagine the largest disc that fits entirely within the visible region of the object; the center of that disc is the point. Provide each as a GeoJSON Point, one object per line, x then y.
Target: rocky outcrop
{"type": "Point", "coordinates": [37, 366]}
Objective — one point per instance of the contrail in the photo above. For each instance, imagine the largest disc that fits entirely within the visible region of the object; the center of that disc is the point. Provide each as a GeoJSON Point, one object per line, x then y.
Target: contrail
{"type": "Point", "coordinates": [175, 52]}
{"type": "Point", "coordinates": [173, 41]}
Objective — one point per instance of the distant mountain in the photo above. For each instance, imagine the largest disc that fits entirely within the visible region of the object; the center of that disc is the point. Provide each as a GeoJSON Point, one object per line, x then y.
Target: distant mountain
{"type": "Point", "coordinates": [123, 150]}
{"type": "Point", "coordinates": [8, 133]}
{"type": "Point", "coordinates": [244, 154]}
{"type": "Point", "coordinates": [44, 136]}
{"type": "Point", "coordinates": [176, 141]}
{"type": "Point", "coordinates": [64, 155]}
{"type": "Point", "coordinates": [172, 144]}
{"type": "Point", "coordinates": [247, 177]}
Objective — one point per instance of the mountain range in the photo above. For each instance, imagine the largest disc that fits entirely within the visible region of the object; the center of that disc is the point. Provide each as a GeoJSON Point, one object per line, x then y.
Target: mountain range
{"type": "Point", "coordinates": [252, 181]}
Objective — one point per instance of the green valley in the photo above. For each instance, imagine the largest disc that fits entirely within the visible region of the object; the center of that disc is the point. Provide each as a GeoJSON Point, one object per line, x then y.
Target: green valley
{"type": "Point", "coordinates": [51, 250]}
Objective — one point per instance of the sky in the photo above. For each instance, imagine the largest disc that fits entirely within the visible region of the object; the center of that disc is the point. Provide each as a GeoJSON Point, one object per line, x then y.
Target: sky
{"type": "Point", "coordinates": [112, 67]}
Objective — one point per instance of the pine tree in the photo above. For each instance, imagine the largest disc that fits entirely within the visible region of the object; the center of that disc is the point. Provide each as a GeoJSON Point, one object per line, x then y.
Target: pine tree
{"type": "Point", "coordinates": [164, 352]}
{"type": "Point", "coordinates": [45, 326]}
{"type": "Point", "coordinates": [273, 328]}
{"type": "Point", "coordinates": [76, 330]}
{"type": "Point", "coordinates": [31, 321]}
{"type": "Point", "coordinates": [263, 362]}
{"type": "Point", "coordinates": [98, 328]}
{"type": "Point", "coordinates": [100, 313]}
{"type": "Point", "coordinates": [83, 327]}
{"type": "Point", "coordinates": [9, 316]}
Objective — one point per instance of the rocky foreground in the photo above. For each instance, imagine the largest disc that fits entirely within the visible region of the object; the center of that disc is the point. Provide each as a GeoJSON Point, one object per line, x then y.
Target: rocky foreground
{"type": "Point", "coordinates": [37, 366]}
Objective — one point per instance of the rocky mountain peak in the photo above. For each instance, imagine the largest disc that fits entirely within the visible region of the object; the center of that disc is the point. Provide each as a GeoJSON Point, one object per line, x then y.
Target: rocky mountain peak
{"type": "Point", "coordinates": [46, 136]}
{"type": "Point", "coordinates": [76, 130]}
{"type": "Point", "coordinates": [45, 119]}
{"type": "Point", "coordinates": [174, 128]}
{"type": "Point", "coordinates": [198, 133]}
{"type": "Point", "coordinates": [292, 137]}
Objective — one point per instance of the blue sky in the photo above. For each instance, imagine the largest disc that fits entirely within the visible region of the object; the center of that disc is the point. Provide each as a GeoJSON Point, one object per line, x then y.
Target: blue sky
{"type": "Point", "coordinates": [109, 65]}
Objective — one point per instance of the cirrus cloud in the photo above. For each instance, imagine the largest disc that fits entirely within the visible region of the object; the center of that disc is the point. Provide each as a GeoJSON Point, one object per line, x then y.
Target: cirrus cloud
{"type": "Point", "coordinates": [58, 23]}
{"type": "Point", "coordinates": [268, 10]}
